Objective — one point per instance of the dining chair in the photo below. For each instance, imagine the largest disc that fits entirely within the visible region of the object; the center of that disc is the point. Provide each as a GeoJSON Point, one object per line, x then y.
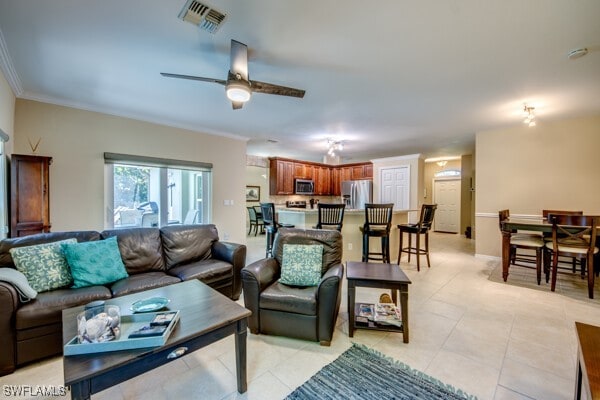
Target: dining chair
{"type": "Point", "coordinates": [524, 241]}
{"type": "Point", "coordinates": [572, 261]}
{"type": "Point", "coordinates": [330, 215]}
{"type": "Point", "coordinates": [378, 221]}
{"type": "Point", "coordinates": [271, 225]}
{"type": "Point", "coordinates": [574, 236]}
{"type": "Point", "coordinates": [255, 221]}
{"type": "Point", "coordinates": [421, 228]}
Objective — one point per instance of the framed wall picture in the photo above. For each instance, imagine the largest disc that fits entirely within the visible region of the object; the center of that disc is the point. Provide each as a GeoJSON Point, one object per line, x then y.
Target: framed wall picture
{"type": "Point", "coordinates": [253, 193]}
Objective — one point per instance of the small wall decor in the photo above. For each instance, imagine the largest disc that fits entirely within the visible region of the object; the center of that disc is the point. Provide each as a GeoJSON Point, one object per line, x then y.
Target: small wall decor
{"type": "Point", "coordinates": [35, 146]}
{"type": "Point", "coordinates": [253, 193]}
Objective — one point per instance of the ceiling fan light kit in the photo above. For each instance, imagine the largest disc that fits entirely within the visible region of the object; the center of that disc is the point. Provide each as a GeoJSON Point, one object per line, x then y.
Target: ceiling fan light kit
{"type": "Point", "coordinates": [238, 91]}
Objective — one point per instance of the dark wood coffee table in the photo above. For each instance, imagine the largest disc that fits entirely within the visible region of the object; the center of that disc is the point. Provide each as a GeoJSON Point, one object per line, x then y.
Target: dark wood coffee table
{"type": "Point", "coordinates": [377, 275]}
{"type": "Point", "coordinates": [205, 317]}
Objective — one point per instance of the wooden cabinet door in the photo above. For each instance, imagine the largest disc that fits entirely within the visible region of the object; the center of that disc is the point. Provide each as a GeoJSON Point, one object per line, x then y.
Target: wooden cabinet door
{"type": "Point", "coordinates": [322, 177]}
{"type": "Point", "coordinates": [303, 171]}
{"type": "Point", "coordinates": [346, 173]}
{"type": "Point", "coordinates": [368, 171]}
{"type": "Point", "coordinates": [281, 177]}
{"type": "Point", "coordinates": [29, 195]}
{"type": "Point", "coordinates": [336, 182]}
{"type": "Point", "coordinates": [357, 172]}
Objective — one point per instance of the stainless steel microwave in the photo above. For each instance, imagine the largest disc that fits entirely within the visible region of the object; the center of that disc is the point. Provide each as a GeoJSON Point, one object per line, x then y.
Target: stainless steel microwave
{"type": "Point", "coordinates": [304, 186]}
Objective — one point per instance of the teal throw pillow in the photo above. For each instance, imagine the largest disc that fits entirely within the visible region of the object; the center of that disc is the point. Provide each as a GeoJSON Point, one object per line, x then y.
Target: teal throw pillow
{"type": "Point", "coordinates": [95, 263]}
{"type": "Point", "coordinates": [301, 264]}
{"type": "Point", "coordinates": [44, 265]}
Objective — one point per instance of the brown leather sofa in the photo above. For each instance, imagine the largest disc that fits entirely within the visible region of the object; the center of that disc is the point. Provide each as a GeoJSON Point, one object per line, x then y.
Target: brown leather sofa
{"type": "Point", "coordinates": [153, 257]}
{"type": "Point", "coordinates": [302, 312]}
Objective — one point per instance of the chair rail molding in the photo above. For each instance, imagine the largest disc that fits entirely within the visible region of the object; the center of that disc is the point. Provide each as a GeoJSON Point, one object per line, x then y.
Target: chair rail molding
{"type": "Point", "coordinates": [518, 216]}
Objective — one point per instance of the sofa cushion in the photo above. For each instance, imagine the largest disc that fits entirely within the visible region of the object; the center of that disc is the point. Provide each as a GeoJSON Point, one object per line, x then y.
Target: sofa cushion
{"type": "Point", "coordinates": [140, 282]}
{"type": "Point", "coordinates": [301, 264]}
{"type": "Point", "coordinates": [298, 300]}
{"type": "Point", "coordinates": [9, 243]}
{"type": "Point", "coordinates": [187, 243]}
{"type": "Point", "coordinates": [47, 307]}
{"type": "Point", "coordinates": [44, 265]}
{"type": "Point", "coordinates": [208, 271]}
{"type": "Point", "coordinates": [94, 263]}
{"type": "Point", "coordinates": [140, 248]}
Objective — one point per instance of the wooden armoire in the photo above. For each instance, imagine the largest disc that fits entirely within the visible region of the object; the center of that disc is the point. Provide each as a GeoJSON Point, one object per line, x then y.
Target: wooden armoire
{"type": "Point", "coordinates": [29, 195]}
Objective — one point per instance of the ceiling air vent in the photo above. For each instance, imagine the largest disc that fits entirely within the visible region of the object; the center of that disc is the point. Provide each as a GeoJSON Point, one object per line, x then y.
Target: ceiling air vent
{"type": "Point", "coordinates": [201, 15]}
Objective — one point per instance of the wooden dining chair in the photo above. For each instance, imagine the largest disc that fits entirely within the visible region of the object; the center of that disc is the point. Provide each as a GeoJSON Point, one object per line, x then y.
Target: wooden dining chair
{"type": "Point", "coordinates": [524, 241]}
{"type": "Point", "coordinates": [574, 236]}
{"type": "Point", "coordinates": [330, 215]}
{"type": "Point", "coordinates": [571, 261]}
{"type": "Point", "coordinates": [421, 228]}
{"type": "Point", "coordinates": [256, 222]}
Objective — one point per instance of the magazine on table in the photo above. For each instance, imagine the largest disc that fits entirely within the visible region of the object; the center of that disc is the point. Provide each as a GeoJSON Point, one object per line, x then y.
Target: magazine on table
{"type": "Point", "coordinates": [365, 312]}
{"type": "Point", "coordinates": [387, 314]}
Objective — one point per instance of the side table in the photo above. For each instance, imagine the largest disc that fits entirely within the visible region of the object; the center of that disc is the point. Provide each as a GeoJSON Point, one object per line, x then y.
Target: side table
{"type": "Point", "coordinates": [377, 275]}
{"type": "Point", "coordinates": [588, 361]}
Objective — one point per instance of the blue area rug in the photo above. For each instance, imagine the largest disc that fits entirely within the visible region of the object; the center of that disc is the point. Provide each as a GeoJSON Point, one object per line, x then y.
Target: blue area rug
{"type": "Point", "coordinates": [363, 373]}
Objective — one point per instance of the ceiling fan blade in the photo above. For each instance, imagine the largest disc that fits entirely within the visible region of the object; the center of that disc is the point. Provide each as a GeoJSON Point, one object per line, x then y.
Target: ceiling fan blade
{"type": "Point", "coordinates": [239, 59]}
{"type": "Point", "coordinates": [194, 78]}
{"type": "Point", "coordinates": [237, 105]}
{"type": "Point", "coordinates": [269, 88]}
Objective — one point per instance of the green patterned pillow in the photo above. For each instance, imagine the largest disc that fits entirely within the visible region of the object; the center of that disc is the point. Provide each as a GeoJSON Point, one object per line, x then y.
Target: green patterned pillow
{"type": "Point", "coordinates": [301, 264]}
{"type": "Point", "coordinates": [44, 265]}
{"type": "Point", "coordinates": [95, 263]}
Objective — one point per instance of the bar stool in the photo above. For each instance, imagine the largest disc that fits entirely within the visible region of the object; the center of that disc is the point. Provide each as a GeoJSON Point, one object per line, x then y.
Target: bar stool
{"type": "Point", "coordinates": [378, 221]}
{"type": "Point", "coordinates": [271, 225]}
{"type": "Point", "coordinates": [330, 215]}
{"type": "Point", "coordinates": [418, 229]}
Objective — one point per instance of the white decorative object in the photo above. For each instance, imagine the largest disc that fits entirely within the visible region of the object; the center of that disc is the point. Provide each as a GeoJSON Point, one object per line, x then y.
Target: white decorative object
{"type": "Point", "coordinates": [99, 327]}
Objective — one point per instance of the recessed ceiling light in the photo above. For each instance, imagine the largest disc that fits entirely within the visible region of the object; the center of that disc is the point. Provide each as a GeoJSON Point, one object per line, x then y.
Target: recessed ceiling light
{"type": "Point", "coordinates": [577, 53]}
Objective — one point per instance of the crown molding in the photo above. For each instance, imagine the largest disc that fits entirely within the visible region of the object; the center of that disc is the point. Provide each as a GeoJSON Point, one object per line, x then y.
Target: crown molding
{"type": "Point", "coordinates": [8, 68]}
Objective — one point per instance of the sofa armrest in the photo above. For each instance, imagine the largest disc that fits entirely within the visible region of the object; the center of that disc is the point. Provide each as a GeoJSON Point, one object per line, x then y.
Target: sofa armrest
{"type": "Point", "coordinates": [256, 277]}
{"type": "Point", "coordinates": [329, 298]}
{"type": "Point", "coordinates": [235, 254]}
{"type": "Point", "coordinates": [9, 302]}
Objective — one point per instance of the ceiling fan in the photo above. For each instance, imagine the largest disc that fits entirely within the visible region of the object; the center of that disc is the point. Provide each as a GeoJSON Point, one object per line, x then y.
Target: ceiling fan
{"type": "Point", "coordinates": [238, 86]}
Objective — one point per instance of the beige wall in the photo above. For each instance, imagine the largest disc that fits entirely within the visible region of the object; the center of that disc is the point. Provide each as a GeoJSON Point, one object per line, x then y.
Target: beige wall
{"type": "Point", "coordinates": [551, 166]}
{"type": "Point", "coordinates": [7, 110]}
{"type": "Point", "coordinates": [77, 139]}
{"type": "Point", "coordinates": [467, 210]}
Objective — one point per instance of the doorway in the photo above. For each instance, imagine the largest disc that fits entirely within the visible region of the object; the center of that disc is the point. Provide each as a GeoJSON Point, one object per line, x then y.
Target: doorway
{"type": "Point", "coordinates": [446, 194]}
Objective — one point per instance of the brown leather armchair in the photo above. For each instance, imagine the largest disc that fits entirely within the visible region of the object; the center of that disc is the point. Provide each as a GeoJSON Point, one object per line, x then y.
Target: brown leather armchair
{"type": "Point", "coordinates": [302, 312]}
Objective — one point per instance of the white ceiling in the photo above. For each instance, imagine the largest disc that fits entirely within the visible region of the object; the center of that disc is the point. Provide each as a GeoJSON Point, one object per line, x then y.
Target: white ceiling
{"type": "Point", "coordinates": [390, 77]}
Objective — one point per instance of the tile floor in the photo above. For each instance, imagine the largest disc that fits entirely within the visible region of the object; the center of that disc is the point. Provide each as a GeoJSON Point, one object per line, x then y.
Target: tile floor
{"type": "Point", "coordinates": [494, 340]}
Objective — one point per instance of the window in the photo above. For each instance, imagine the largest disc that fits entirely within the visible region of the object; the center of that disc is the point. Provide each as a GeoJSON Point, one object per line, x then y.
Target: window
{"type": "Point", "coordinates": [152, 192]}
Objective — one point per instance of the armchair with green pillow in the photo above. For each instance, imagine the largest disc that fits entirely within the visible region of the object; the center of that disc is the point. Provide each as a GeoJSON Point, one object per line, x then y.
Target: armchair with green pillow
{"type": "Point", "coordinates": [297, 292]}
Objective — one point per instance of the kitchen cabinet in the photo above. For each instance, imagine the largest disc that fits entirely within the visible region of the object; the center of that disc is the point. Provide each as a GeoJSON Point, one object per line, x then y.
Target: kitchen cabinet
{"type": "Point", "coordinates": [322, 178]}
{"type": "Point", "coordinates": [303, 170]}
{"type": "Point", "coordinates": [29, 195]}
{"type": "Point", "coordinates": [327, 179]}
{"type": "Point", "coordinates": [281, 177]}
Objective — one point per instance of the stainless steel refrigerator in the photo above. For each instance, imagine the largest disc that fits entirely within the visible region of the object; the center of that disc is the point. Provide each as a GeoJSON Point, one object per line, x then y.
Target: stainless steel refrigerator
{"type": "Point", "coordinates": [356, 193]}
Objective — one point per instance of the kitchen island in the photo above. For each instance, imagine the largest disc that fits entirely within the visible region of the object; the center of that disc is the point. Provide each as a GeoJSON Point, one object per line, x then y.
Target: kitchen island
{"type": "Point", "coordinates": [306, 218]}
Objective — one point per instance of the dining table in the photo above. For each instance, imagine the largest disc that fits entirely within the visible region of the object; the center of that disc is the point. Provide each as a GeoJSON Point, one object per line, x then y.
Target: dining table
{"type": "Point", "coordinates": [513, 225]}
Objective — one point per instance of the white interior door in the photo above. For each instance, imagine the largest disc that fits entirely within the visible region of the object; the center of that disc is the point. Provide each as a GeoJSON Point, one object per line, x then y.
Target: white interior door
{"type": "Point", "coordinates": [446, 194]}
{"type": "Point", "coordinates": [395, 186]}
